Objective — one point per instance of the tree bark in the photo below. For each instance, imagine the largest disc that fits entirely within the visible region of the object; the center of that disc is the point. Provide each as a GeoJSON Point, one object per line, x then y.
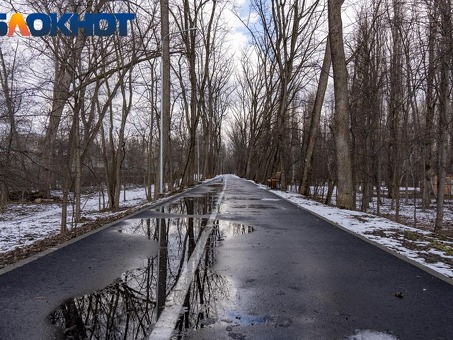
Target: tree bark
{"type": "Point", "coordinates": [429, 116]}
{"type": "Point", "coordinates": [315, 119]}
{"type": "Point", "coordinates": [11, 138]}
{"type": "Point", "coordinates": [345, 193]}
{"type": "Point", "coordinates": [395, 109]}
{"type": "Point", "coordinates": [165, 105]}
{"type": "Point", "coordinates": [444, 108]}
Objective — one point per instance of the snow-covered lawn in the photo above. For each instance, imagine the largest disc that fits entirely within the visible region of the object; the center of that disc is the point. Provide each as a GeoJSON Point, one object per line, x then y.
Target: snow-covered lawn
{"type": "Point", "coordinates": [422, 246]}
{"type": "Point", "coordinates": [24, 224]}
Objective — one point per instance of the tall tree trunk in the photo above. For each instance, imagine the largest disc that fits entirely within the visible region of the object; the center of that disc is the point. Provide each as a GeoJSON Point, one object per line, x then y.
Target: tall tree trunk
{"type": "Point", "coordinates": [11, 139]}
{"type": "Point", "coordinates": [444, 108]}
{"type": "Point", "coordinates": [67, 177]}
{"type": "Point", "coordinates": [193, 105]}
{"type": "Point", "coordinates": [150, 169]}
{"type": "Point", "coordinates": [395, 108]}
{"type": "Point", "coordinates": [78, 170]}
{"type": "Point", "coordinates": [443, 146]}
{"type": "Point", "coordinates": [77, 112]}
{"type": "Point", "coordinates": [60, 96]}
{"type": "Point", "coordinates": [345, 193]}
{"type": "Point", "coordinates": [165, 104]}
{"type": "Point", "coordinates": [64, 76]}
{"type": "Point", "coordinates": [126, 94]}
{"type": "Point", "coordinates": [429, 115]}
{"type": "Point", "coordinates": [315, 119]}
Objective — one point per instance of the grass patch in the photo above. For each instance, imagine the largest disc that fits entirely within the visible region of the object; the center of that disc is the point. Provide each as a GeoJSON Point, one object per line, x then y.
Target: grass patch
{"type": "Point", "coordinates": [411, 235]}
{"type": "Point", "coordinates": [447, 249]}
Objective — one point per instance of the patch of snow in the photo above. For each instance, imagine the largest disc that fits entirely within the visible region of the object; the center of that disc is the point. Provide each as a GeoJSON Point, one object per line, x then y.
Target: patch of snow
{"type": "Point", "coordinates": [371, 335]}
{"type": "Point", "coordinates": [24, 224]}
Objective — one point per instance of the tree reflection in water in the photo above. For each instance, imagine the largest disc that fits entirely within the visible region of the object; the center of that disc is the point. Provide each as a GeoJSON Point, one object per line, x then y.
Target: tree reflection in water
{"type": "Point", "coordinates": [128, 308]}
{"type": "Point", "coordinates": [202, 302]}
{"type": "Point", "coordinates": [123, 310]}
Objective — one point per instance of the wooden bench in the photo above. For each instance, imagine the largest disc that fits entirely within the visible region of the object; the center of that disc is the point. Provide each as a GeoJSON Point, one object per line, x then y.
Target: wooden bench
{"type": "Point", "coordinates": [274, 182]}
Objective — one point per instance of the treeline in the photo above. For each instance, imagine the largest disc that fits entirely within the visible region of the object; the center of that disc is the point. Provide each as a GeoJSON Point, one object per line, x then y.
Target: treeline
{"type": "Point", "coordinates": [398, 82]}
{"type": "Point", "coordinates": [80, 109]}
{"type": "Point", "coordinates": [363, 106]}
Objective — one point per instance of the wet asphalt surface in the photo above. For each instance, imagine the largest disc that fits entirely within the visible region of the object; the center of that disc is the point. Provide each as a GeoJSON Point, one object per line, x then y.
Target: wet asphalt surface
{"type": "Point", "coordinates": [271, 271]}
{"type": "Point", "coordinates": [109, 277]}
{"type": "Point", "coordinates": [298, 277]}
{"type": "Point", "coordinates": [29, 293]}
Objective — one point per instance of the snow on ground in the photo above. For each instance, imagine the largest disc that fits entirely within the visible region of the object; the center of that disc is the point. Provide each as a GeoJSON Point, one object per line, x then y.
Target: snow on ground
{"type": "Point", "coordinates": [371, 335]}
{"type": "Point", "coordinates": [410, 211]}
{"type": "Point", "coordinates": [24, 224]}
{"type": "Point", "coordinates": [421, 246]}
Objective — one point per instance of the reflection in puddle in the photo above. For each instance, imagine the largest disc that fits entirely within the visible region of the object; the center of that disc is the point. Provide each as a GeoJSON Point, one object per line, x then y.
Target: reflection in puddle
{"type": "Point", "coordinates": [228, 229]}
{"type": "Point", "coordinates": [236, 318]}
{"type": "Point", "coordinates": [191, 205]}
{"type": "Point", "coordinates": [123, 309]}
{"type": "Point", "coordinates": [129, 307]}
{"type": "Point", "coordinates": [147, 226]}
{"type": "Point", "coordinates": [208, 291]}
{"type": "Point", "coordinates": [200, 206]}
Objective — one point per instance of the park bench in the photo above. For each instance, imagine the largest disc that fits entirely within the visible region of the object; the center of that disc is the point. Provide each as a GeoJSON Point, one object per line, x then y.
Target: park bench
{"type": "Point", "coordinates": [274, 182]}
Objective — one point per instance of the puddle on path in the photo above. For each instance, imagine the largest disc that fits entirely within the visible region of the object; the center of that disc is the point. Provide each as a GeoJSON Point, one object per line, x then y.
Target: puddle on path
{"type": "Point", "coordinates": [129, 307]}
{"type": "Point", "coordinates": [210, 293]}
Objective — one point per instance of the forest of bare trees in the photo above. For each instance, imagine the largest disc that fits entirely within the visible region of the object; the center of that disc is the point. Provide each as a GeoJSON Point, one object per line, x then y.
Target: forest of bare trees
{"type": "Point", "coordinates": [83, 112]}
{"type": "Point", "coordinates": [356, 98]}
{"type": "Point", "coordinates": [382, 121]}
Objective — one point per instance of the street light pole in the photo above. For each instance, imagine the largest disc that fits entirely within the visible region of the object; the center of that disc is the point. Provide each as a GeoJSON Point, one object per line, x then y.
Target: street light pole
{"type": "Point", "coordinates": [165, 84]}
{"type": "Point", "coordinates": [161, 126]}
{"type": "Point", "coordinates": [165, 96]}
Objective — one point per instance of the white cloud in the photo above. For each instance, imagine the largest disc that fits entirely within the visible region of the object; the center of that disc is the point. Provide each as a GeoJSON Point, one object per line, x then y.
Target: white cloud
{"type": "Point", "coordinates": [234, 16]}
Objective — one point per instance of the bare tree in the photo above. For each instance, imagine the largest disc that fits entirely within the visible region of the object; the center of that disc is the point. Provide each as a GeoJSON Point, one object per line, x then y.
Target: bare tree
{"type": "Point", "coordinates": [444, 106]}
{"type": "Point", "coordinates": [367, 97]}
{"type": "Point", "coordinates": [314, 120]}
{"type": "Point", "coordinates": [284, 45]}
{"type": "Point", "coordinates": [345, 195]}
{"type": "Point", "coordinates": [214, 89]}
{"type": "Point", "coordinates": [430, 109]}
{"type": "Point", "coordinates": [10, 107]}
{"type": "Point", "coordinates": [165, 97]}
{"type": "Point", "coordinates": [395, 106]}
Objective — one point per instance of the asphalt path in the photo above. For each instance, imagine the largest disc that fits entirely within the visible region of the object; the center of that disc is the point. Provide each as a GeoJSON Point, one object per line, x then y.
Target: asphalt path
{"type": "Point", "coordinates": [291, 276]}
{"type": "Point", "coordinates": [298, 277]}
{"type": "Point", "coordinates": [29, 293]}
